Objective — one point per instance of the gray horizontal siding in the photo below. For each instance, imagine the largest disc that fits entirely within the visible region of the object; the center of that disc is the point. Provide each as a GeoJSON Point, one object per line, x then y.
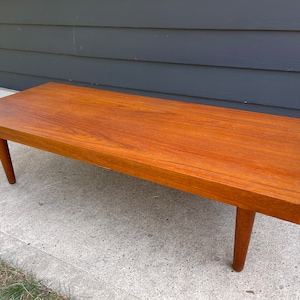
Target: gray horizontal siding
{"type": "Point", "coordinates": [213, 52]}
{"type": "Point", "coordinates": [250, 49]}
{"type": "Point", "coordinates": [208, 14]}
{"type": "Point", "coordinates": [239, 85]}
{"type": "Point", "coordinates": [27, 81]}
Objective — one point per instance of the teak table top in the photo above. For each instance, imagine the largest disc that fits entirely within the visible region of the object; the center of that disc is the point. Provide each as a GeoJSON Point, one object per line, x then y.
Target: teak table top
{"type": "Point", "coordinates": [250, 160]}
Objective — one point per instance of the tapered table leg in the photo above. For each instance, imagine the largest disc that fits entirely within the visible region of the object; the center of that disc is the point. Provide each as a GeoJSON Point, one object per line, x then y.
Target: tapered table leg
{"type": "Point", "coordinates": [243, 230]}
{"type": "Point", "coordinates": [6, 161]}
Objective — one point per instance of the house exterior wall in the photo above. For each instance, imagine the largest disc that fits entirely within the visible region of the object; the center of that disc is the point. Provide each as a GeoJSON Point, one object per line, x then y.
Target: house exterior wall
{"type": "Point", "coordinates": [239, 54]}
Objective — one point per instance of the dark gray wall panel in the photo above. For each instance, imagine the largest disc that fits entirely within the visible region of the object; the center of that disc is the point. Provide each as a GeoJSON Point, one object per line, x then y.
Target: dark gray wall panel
{"type": "Point", "coordinates": [20, 82]}
{"type": "Point", "coordinates": [215, 52]}
{"type": "Point", "coordinates": [251, 49]}
{"type": "Point", "coordinates": [261, 87]}
{"type": "Point", "coordinates": [205, 14]}
{"type": "Point", "coordinates": [52, 39]}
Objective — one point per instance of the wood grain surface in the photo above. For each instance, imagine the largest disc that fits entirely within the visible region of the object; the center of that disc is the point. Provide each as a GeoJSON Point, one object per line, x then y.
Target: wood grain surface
{"type": "Point", "coordinates": [246, 159]}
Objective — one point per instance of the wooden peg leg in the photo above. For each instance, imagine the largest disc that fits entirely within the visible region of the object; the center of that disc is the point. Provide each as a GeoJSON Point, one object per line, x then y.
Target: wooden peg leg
{"type": "Point", "coordinates": [243, 230]}
{"type": "Point", "coordinates": [6, 162]}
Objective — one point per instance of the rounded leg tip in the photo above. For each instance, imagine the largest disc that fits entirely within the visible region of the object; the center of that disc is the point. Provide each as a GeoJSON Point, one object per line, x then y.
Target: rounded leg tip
{"type": "Point", "coordinates": [237, 268]}
{"type": "Point", "coordinates": [11, 179]}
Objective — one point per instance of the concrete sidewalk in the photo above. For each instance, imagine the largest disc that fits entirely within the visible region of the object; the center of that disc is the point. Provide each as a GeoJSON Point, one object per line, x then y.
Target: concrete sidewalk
{"type": "Point", "coordinates": [97, 234]}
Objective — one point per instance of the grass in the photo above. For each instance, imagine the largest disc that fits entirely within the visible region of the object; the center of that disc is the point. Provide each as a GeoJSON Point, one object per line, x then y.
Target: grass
{"type": "Point", "coordinates": [17, 285]}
